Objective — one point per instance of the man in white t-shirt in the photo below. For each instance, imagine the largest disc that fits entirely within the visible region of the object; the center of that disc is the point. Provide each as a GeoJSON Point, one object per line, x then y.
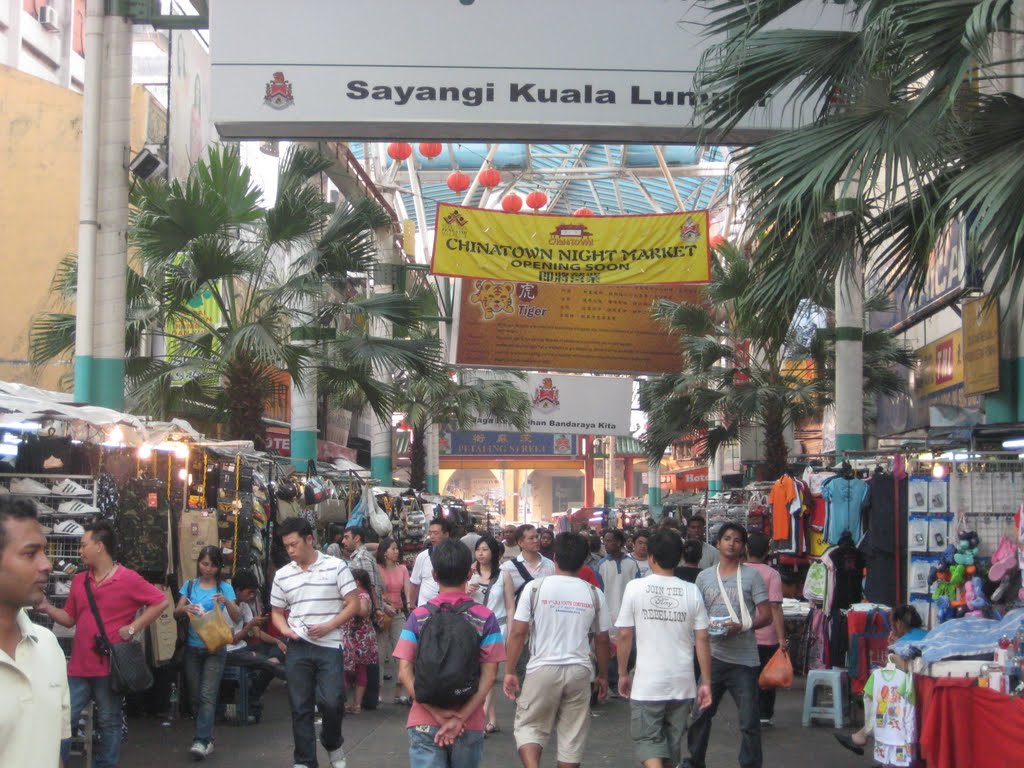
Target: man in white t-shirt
{"type": "Point", "coordinates": [528, 565]}
{"type": "Point", "coordinates": [564, 612]}
{"type": "Point", "coordinates": [424, 587]}
{"type": "Point", "coordinates": [669, 620]}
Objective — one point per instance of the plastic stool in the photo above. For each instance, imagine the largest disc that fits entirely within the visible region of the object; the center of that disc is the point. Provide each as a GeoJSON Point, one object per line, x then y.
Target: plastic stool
{"type": "Point", "coordinates": [835, 679]}
{"type": "Point", "coordinates": [239, 675]}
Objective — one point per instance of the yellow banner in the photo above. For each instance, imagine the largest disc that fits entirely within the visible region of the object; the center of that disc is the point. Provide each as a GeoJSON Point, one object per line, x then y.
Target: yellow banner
{"type": "Point", "coordinates": [572, 250]}
{"type": "Point", "coordinates": [981, 346]}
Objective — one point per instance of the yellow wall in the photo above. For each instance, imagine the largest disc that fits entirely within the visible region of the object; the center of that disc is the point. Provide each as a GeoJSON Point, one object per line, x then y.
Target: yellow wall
{"type": "Point", "coordinates": [40, 137]}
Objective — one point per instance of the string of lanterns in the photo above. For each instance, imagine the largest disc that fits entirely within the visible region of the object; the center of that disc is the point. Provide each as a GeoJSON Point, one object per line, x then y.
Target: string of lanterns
{"type": "Point", "coordinates": [488, 177]}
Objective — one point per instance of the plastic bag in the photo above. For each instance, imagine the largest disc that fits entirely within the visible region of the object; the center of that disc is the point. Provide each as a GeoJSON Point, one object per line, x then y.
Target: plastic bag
{"type": "Point", "coordinates": [213, 629]}
{"type": "Point", "coordinates": [379, 520]}
{"type": "Point", "coordinates": [778, 672]}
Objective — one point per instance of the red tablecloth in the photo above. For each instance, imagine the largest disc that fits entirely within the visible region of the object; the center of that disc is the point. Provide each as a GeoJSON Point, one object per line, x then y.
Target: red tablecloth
{"type": "Point", "coordinates": [964, 726]}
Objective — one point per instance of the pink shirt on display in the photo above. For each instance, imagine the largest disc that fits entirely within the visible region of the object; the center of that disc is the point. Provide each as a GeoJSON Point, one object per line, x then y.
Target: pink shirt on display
{"type": "Point", "coordinates": [773, 583]}
{"type": "Point", "coordinates": [118, 598]}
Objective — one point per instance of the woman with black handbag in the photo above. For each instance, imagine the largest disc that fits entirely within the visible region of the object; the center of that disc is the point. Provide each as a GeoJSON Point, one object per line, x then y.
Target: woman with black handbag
{"type": "Point", "coordinates": [202, 600]}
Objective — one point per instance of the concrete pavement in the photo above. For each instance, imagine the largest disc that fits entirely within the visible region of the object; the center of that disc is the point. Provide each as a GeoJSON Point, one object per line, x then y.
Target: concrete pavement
{"type": "Point", "coordinates": [378, 739]}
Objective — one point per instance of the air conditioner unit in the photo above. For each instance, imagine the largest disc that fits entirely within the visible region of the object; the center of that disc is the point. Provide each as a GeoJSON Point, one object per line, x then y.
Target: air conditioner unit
{"type": "Point", "coordinates": [49, 18]}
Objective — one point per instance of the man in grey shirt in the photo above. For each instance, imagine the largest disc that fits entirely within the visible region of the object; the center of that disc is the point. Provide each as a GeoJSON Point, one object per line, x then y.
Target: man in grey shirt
{"type": "Point", "coordinates": [737, 603]}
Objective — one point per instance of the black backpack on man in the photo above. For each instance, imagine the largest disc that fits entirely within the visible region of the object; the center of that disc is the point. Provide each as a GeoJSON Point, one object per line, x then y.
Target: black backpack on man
{"type": "Point", "coordinates": [447, 667]}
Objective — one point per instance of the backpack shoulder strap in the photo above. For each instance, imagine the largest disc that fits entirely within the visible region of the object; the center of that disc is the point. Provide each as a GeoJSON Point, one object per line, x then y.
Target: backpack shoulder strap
{"type": "Point", "coordinates": [535, 597]}
{"type": "Point", "coordinates": [596, 624]}
{"type": "Point", "coordinates": [527, 576]}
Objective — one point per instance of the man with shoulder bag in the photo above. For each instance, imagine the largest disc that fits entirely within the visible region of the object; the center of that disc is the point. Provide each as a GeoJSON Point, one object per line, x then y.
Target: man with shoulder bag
{"type": "Point", "coordinates": [103, 606]}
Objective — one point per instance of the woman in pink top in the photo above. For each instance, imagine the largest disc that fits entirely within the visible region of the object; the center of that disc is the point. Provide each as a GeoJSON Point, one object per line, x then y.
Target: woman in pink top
{"type": "Point", "coordinates": [396, 605]}
{"type": "Point", "coordinates": [769, 638]}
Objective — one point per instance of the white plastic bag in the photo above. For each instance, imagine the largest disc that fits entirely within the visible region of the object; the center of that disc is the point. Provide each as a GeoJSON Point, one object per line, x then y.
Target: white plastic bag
{"type": "Point", "coordinates": [379, 520]}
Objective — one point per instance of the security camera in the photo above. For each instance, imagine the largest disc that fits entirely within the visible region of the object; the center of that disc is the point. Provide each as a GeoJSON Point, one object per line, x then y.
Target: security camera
{"type": "Point", "coordinates": [146, 165]}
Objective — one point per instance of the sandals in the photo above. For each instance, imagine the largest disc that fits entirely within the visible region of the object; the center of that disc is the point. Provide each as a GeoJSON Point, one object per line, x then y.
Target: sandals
{"type": "Point", "coordinates": [849, 743]}
{"type": "Point", "coordinates": [492, 728]}
{"type": "Point", "coordinates": [401, 700]}
{"type": "Point", "coordinates": [353, 709]}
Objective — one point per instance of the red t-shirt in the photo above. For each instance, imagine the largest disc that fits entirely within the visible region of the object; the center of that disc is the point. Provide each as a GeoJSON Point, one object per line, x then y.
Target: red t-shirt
{"type": "Point", "coordinates": [118, 598]}
{"type": "Point", "coordinates": [587, 574]}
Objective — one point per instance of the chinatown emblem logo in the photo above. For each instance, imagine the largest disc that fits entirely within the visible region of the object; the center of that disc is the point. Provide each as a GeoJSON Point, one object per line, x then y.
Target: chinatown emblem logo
{"type": "Point", "coordinates": [455, 219]}
{"type": "Point", "coordinates": [571, 234]}
{"type": "Point", "coordinates": [689, 233]}
{"type": "Point", "coordinates": [279, 92]}
{"type": "Point", "coordinates": [545, 397]}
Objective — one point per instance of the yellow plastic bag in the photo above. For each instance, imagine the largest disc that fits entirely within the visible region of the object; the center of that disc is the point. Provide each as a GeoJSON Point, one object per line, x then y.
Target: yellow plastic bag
{"type": "Point", "coordinates": [213, 629]}
{"type": "Point", "coordinates": [778, 672]}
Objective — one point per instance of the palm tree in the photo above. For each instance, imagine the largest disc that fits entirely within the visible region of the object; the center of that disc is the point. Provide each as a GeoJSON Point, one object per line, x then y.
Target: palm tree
{"type": "Point", "coordinates": [743, 367]}
{"type": "Point", "coordinates": [457, 399]}
{"type": "Point", "coordinates": [910, 132]}
{"type": "Point", "coordinates": [278, 290]}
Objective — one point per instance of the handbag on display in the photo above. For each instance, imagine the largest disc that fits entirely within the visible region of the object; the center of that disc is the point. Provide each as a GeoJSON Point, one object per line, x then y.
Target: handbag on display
{"type": "Point", "coordinates": [129, 670]}
{"type": "Point", "coordinates": [287, 490]}
{"type": "Point", "coordinates": [315, 488]}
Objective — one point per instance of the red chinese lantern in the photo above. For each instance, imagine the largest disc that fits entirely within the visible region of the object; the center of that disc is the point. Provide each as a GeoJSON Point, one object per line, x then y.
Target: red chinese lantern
{"type": "Point", "coordinates": [399, 150]}
{"type": "Point", "coordinates": [458, 181]}
{"type": "Point", "coordinates": [490, 177]}
{"type": "Point", "coordinates": [536, 200]}
{"type": "Point", "coordinates": [511, 203]}
{"type": "Point", "coordinates": [583, 212]}
{"type": "Point", "coordinates": [430, 151]}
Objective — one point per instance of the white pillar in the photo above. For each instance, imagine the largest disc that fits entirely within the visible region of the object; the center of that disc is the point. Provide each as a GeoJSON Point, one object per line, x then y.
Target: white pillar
{"type": "Point", "coordinates": [849, 331]}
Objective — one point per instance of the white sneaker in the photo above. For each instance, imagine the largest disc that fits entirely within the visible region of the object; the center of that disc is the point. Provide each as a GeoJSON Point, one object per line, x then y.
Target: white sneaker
{"type": "Point", "coordinates": [198, 750]}
{"type": "Point", "coordinates": [77, 508]}
{"type": "Point", "coordinates": [68, 528]}
{"type": "Point", "coordinates": [26, 486]}
{"type": "Point", "coordinates": [68, 487]}
{"type": "Point", "coordinates": [209, 749]}
{"type": "Point", "coordinates": [337, 758]}
{"type": "Point", "coordinates": [44, 509]}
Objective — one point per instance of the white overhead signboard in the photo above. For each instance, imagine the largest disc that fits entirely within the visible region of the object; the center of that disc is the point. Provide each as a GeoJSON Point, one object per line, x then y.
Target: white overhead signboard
{"type": "Point", "coordinates": [526, 70]}
{"type": "Point", "coordinates": [574, 405]}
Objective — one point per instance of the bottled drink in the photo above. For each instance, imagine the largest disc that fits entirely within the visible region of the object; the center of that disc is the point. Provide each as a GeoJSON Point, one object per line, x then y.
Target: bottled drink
{"type": "Point", "coordinates": [174, 701]}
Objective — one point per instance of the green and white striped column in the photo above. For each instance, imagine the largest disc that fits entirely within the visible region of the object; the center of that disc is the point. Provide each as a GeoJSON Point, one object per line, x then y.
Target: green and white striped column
{"type": "Point", "coordinates": [849, 394]}
{"type": "Point", "coordinates": [433, 459]}
{"type": "Point", "coordinates": [654, 489]}
{"type": "Point", "coordinates": [303, 435]}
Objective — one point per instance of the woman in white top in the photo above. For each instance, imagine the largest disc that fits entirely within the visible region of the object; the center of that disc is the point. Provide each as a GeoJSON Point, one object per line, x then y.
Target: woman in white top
{"type": "Point", "coordinates": [485, 586]}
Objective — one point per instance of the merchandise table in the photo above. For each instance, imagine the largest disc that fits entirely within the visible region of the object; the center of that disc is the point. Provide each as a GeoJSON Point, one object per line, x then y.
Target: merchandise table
{"type": "Point", "coordinates": [964, 725]}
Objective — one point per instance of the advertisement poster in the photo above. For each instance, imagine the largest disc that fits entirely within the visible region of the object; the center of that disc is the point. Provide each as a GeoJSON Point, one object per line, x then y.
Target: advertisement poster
{"type": "Point", "coordinates": [940, 365]}
{"type": "Point", "coordinates": [597, 329]}
{"type": "Point", "coordinates": [572, 250]}
{"type": "Point", "coordinates": [580, 405]}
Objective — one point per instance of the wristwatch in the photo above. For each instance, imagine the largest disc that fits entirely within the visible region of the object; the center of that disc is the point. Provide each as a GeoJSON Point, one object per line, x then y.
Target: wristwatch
{"type": "Point", "coordinates": [131, 631]}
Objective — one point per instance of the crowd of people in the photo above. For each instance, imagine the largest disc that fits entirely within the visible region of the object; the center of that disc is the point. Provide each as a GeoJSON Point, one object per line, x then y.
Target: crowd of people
{"type": "Point", "coordinates": [555, 623]}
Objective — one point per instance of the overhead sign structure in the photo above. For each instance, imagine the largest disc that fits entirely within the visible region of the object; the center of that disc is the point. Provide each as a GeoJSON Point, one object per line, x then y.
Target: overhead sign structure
{"type": "Point", "coordinates": [578, 405]}
{"type": "Point", "coordinates": [533, 70]}
{"type": "Point", "coordinates": [505, 444]}
{"type": "Point", "coordinates": [572, 250]}
{"type": "Point", "coordinates": [586, 329]}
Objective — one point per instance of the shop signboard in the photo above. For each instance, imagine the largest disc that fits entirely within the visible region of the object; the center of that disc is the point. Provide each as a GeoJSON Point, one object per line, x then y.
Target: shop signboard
{"type": "Point", "coordinates": [981, 346]}
{"type": "Point", "coordinates": [190, 123]}
{"type": "Point", "coordinates": [695, 479]}
{"type": "Point", "coordinates": [505, 444]}
{"type": "Point", "coordinates": [589, 329]}
{"type": "Point", "coordinates": [279, 440]}
{"type": "Point", "coordinates": [576, 405]}
{"type": "Point", "coordinates": [533, 70]}
{"type": "Point", "coordinates": [200, 314]}
{"type": "Point", "coordinates": [569, 250]}
{"type": "Point", "coordinates": [940, 366]}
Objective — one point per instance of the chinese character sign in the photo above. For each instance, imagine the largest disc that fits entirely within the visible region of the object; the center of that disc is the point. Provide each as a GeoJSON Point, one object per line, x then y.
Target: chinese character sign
{"type": "Point", "coordinates": [569, 250]}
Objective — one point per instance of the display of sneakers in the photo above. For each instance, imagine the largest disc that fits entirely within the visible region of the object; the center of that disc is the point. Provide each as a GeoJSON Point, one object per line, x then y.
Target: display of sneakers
{"type": "Point", "coordinates": [77, 508]}
{"type": "Point", "coordinates": [68, 528]}
{"type": "Point", "coordinates": [64, 569]}
{"type": "Point", "coordinates": [68, 487]}
{"type": "Point", "coordinates": [26, 486]}
{"type": "Point", "coordinates": [61, 588]}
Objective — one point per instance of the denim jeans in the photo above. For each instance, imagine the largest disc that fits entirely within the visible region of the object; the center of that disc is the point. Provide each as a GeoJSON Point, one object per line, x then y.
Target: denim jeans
{"type": "Point", "coordinates": [424, 753]}
{"type": "Point", "coordinates": [316, 677]}
{"type": "Point", "coordinates": [741, 682]}
{"type": "Point", "coordinates": [203, 671]}
{"type": "Point", "coordinates": [109, 706]}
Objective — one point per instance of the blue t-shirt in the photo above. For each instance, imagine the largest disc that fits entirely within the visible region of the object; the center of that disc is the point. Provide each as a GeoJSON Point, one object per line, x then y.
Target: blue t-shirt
{"type": "Point", "coordinates": [198, 595]}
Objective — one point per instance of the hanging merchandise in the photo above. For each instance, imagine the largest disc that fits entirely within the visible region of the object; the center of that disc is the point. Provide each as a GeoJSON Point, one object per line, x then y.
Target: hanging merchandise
{"type": "Point", "coordinates": [379, 520]}
{"type": "Point", "coordinates": [357, 519]}
{"type": "Point", "coordinates": [315, 489]}
{"type": "Point", "coordinates": [197, 528]}
{"type": "Point", "coordinates": [142, 527]}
